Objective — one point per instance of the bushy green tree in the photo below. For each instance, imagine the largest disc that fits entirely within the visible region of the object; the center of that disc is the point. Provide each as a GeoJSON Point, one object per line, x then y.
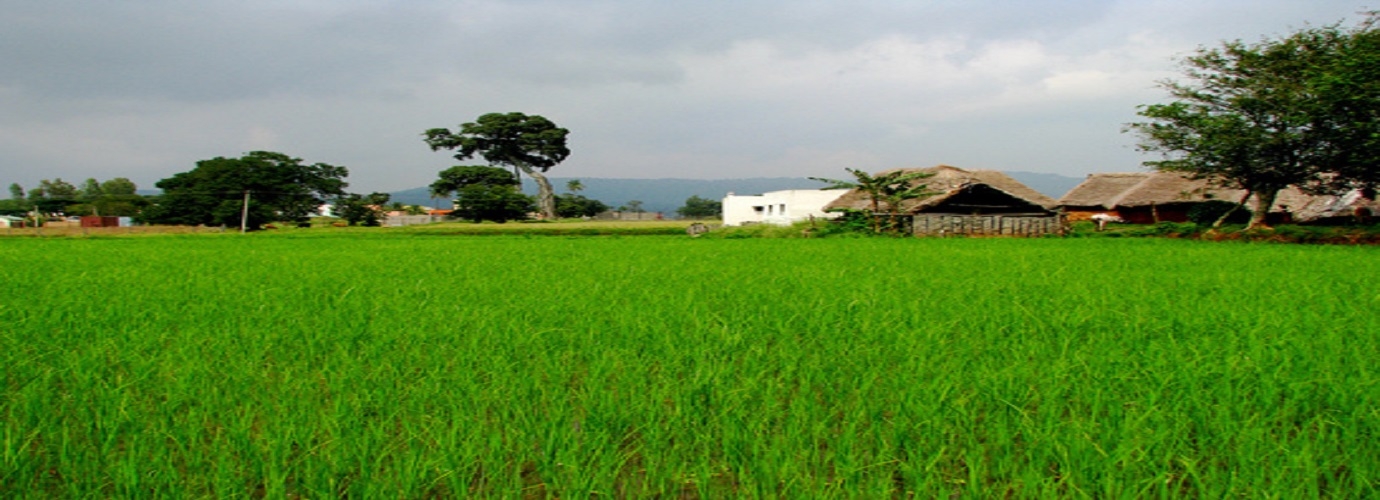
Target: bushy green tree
{"type": "Point", "coordinates": [280, 188]}
{"type": "Point", "coordinates": [118, 186]}
{"type": "Point", "coordinates": [574, 205]}
{"type": "Point", "coordinates": [483, 193]}
{"type": "Point", "coordinates": [361, 210]}
{"type": "Point", "coordinates": [91, 189]}
{"type": "Point", "coordinates": [698, 208]}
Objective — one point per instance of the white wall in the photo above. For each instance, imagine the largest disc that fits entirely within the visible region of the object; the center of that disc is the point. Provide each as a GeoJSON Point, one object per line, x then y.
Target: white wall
{"type": "Point", "coordinates": [779, 207]}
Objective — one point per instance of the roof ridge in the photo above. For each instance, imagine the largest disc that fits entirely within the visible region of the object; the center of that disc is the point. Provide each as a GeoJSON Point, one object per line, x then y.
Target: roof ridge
{"type": "Point", "coordinates": [1127, 192]}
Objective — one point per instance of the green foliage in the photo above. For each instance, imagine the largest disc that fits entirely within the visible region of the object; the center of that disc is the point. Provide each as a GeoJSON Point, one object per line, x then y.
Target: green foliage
{"type": "Point", "coordinates": [281, 188]}
{"type": "Point", "coordinates": [119, 186]}
{"type": "Point", "coordinates": [701, 208]}
{"type": "Point", "coordinates": [483, 193]}
{"type": "Point", "coordinates": [483, 202]}
{"type": "Point", "coordinates": [1303, 109]}
{"type": "Point", "coordinates": [454, 178]}
{"type": "Point", "coordinates": [850, 222]}
{"type": "Point", "coordinates": [1346, 86]}
{"type": "Point", "coordinates": [91, 189]}
{"type": "Point", "coordinates": [532, 144]}
{"type": "Point", "coordinates": [803, 229]}
{"type": "Point", "coordinates": [574, 205]}
{"type": "Point", "coordinates": [113, 198]}
{"type": "Point", "coordinates": [1207, 213]}
{"type": "Point", "coordinates": [359, 210]}
{"type": "Point", "coordinates": [56, 189]}
{"type": "Point", "coordinates": [15, 207]}
{"type": "Point", "coordinates": [886, 191]}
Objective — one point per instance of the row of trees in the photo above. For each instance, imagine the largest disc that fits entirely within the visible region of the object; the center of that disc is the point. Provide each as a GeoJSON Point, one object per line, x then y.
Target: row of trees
{"type": "Point", "coordinates": [1301, 110]}
{"type": "Point", "coordinates": [117, 197]}
{"type": "Point", "coordinates": [263, 186]}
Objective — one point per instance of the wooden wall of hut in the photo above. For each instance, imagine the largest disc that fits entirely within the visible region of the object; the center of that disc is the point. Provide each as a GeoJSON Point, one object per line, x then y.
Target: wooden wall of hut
{"type": "Point", "coordinates": [987, 225]}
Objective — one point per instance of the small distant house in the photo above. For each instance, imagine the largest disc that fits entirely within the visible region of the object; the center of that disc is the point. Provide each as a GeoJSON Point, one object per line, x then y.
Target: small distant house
{"type": "Point", "coordinates": [1150, 197]}
{"type": "Point", "coordinates": [978, 202]}
{"type": "Point", "coordinates": [778, 207]}
{"type": "Point", "coordinates": [99, 221]}
{"type": "Point", "coordinates": [11, 221]}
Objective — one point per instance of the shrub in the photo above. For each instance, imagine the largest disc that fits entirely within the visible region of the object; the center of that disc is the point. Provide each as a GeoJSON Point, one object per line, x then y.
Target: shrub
{"type": "Point", "coordinates": [1207, 213]}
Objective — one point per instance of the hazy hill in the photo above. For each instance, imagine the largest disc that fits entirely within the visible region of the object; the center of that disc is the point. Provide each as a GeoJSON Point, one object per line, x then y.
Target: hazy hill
{"type": "Point", "coordinates": [666, 195]}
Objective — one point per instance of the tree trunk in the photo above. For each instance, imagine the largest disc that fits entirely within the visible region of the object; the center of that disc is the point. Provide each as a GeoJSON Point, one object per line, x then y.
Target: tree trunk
{"type": "Point", "coordinates": [876, 215]}
{"type": "Point", "coordinates": [1263, 200]}
{"type": "Point", "coordinates": [546, 197]}
{"type": "Point", "coordinates": [1223, 218]}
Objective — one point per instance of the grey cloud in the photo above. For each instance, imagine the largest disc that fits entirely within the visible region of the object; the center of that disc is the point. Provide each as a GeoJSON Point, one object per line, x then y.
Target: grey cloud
{"type": "Point", "coordinates": [203, 51]}
{"type": "Point", "coordinates": [648, 88]}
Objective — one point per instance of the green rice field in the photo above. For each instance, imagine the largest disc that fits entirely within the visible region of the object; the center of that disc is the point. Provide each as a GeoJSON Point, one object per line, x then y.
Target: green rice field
{"type": "Point", "coordinates": [435, 366]}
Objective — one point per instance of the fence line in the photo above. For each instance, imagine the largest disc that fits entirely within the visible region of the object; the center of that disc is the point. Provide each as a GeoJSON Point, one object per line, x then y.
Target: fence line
{"type": "Point", "coordinates": [72, 230]}
{"type": "Point", "coordinates": [986, 225]}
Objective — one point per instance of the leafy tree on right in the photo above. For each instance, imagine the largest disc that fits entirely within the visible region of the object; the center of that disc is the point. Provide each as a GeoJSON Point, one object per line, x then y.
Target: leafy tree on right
{"type": "Point", "coordinates": [1301, 110]}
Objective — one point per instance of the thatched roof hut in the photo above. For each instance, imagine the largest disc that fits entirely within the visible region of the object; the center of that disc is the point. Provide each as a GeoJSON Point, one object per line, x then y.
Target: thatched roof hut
{"type": "Point", "coordinates": [961, 191]}
{"type": "Point", "coordinates": [1166, 196]}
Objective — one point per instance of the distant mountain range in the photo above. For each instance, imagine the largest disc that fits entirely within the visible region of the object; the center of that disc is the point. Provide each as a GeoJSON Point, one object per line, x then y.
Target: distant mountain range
{"type": "Point", "coordinates": [666, 195]}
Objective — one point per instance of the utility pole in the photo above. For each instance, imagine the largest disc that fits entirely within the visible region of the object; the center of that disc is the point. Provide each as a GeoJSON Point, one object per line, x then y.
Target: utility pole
{"type": "Point", "coordinates": [244, 214]}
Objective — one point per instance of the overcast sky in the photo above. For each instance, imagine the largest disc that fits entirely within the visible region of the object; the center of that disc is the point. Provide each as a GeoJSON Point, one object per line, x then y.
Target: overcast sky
{"type": "Point", "coordinates": [648, 88]}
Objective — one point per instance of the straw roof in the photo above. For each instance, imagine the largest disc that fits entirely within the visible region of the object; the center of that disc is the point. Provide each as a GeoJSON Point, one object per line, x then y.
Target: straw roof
{"type": "Point", "coordinates": [1109, 191]}
{"type": "Point", "coordinates": [1138, 189]}
{"type": "Point", "coordinates": [946, 183]}
{"type": "Point", "coordinates": [1307, 208]}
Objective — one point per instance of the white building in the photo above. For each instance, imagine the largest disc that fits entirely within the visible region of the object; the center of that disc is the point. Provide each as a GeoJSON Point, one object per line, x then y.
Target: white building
{"type": "Point", "coordinates": [779, 207]}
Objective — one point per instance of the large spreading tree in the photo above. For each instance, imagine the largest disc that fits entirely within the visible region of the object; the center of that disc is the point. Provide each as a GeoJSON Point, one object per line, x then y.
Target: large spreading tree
{"type": "Point", "coordinates": [530, 144]}
{"type": "Point", "coordinates": [1295, 110]}
{"type": "Point", "coordinates": [277, 187]}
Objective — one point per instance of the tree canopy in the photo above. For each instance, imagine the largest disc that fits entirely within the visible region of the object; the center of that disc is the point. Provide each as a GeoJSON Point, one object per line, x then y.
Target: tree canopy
{"type": "Point", "coordinates": [114, 197]}
{"type": "Point", "coordinates": [279, 187]}
{"type": "Point", "coordinates": [699, 208]}
{"type": "Point", "coordinates": [361, 210]}
{"type": "Point", "coordinates": [483, 193]}
{"type": "Point", "coordinates": [575, 205]}
{"type": "Point", "coordinates": [530, 144]}
{"type": "Point", "coordinates": [1302, 109]}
